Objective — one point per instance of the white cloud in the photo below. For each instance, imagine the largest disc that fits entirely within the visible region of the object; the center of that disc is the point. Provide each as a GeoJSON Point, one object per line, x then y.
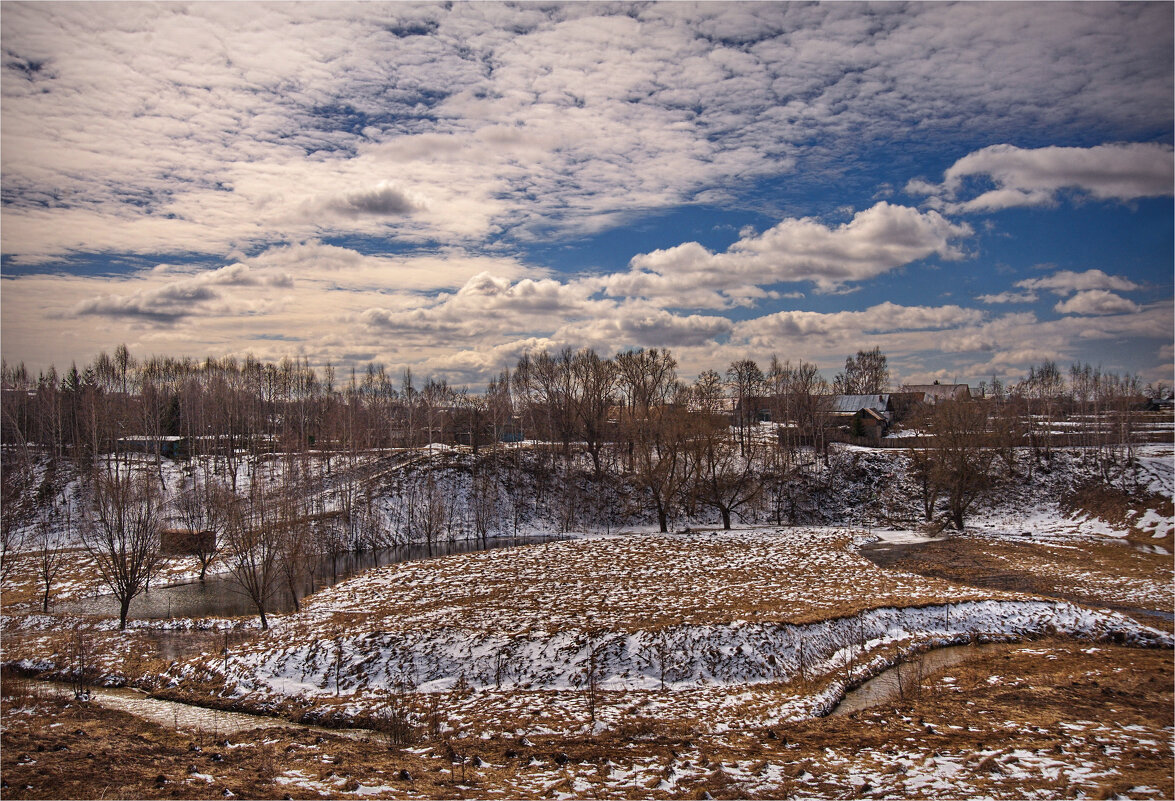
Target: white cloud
{"type": "Point", "coordinates": [883, 318]}
{"type": "Point", "coordinates": [151, 129]}
{"type": "Point", "coordinates": [649, 327]}
{"type": "Point", "coordinates": [1065, 282]}
{"type": "Point", "coordinates": [256, 133]}
{"type": "Point", "coordinates": [1008, 297]}
{"type": "Point", "coordinates": [1021, 357]}
{"type": "Point", "coordinates": [275, 306]}
{"type": "Point", "coordinates": [200, 295]}
{"type": "Point", "coordinates": [876, 240]}
{"type": "Point", "coordinates": [1096, 301]}
{"type": "Point", "coordinates": [383, 200]}
{"type": "Point", "coordinates": [332, 266]}
{"type": "Point", "coordinates": [1033, 177]}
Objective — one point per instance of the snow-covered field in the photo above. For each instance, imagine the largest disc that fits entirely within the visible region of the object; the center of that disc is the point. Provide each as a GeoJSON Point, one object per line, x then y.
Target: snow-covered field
{"type": "Point", "coordinates": [745, 628]}
{"type": "Point", "coordinates": [711, 632]}
{"type": "Point", "coordinates": [1031, 508]}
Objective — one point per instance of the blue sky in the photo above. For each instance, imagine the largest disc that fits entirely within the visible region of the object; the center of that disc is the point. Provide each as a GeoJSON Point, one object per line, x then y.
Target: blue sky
{"type": "Point", "coordinates": [972, 187]}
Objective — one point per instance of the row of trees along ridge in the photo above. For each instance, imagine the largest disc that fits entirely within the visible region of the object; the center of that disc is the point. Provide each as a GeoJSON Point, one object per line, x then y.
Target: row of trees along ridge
{"type": "Point", "coordinates": [265, 432]}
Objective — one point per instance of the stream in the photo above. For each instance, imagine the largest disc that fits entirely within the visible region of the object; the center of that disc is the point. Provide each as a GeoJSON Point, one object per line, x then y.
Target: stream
{"type": "Point", "coordinates": [189, 717]}
{"type": "Point", "coordinates": [220, 596]}
{"type": "Point", "coordinates": [883, 688]}
{"type": "Point", "coordinates": [887, 686]}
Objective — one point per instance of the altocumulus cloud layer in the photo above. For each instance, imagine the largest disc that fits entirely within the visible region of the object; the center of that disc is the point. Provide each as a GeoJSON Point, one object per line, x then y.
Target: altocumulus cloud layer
{"type": "Point", "coordinates": [446, 187]}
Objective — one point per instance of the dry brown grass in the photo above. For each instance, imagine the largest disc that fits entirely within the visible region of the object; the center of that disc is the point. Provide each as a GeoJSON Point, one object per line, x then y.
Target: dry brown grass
{"type": "Point", "coordinates": [77, 577]}
{"type": "Point", "coordinates": [1092, 572]}
{"type": "Point", "coordinates": [1122, 509]}
{"type": "Point", "coordinates": [1063, 718]}
{"type": "Point", "coordinates": [630, 583]}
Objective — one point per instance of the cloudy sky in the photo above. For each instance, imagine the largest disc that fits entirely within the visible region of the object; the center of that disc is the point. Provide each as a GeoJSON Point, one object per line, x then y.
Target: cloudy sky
{"type": "Point", "coordinates": [974, 188]}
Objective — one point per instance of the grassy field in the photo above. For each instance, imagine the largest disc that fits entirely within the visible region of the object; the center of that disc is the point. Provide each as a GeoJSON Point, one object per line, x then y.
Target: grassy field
{"type": "Point", "coordinates": [1059, 719]}
{"type": "Point", "coordinates": [1097, 573]}
{"type": "Point", "coordinates": [646, 665]}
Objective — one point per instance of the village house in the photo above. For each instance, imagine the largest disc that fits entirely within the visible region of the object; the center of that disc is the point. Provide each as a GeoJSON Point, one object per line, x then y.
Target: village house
{"type": "Point", "coordinates": [863, 415]}
{"type": "Point", "coordinates": [936, 393]}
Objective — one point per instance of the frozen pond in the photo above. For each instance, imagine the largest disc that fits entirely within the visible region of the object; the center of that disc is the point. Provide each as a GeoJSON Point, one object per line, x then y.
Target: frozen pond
{"type": "Point", "coordinates": [220, 596]}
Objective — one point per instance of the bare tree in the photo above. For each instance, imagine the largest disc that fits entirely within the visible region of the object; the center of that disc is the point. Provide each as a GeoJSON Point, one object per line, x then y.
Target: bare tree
{"type": "Point", "coordinates": [812, 405]}
{"type": "Point", "coordinates": [724, 477]}
{"type": "Point", "coordinates": [865, 374]}
{"type": "Point", "coordinates": [54, 525]}
{"type": "Point", "coordinates": [329, 539]}
{"type": "Point", "coordinates": [253, 546]}
{"type": "Point", "coordinates": [499, 406]}
{"type": "Point", "coordinates": [81, 661]}
{"type": "Point", "coordinates": [483, 497]}
{"type": "Point", "coordinates": [1043, 389]}
{"type": "Point", "coordinates": [646, 380]}
{"type": "Point", "coordinates": [780, 481]}
{"type": "Point", "coordinates": [435, 399]}
{"type": "Point", "coordinates": [427, 511]}
{"type": "Point", "coordinates": [592, 383]}
{"type": "Point", "coordinates": [707, 393]}
{"type": "Point", "coordinates": [962, 464]}
{"type": "Point", "coordinates": [922, 470]}
{"type": "Point", "coordinates": [17, 506]}
{"type": "Point", "coordinates": [202, 509]}
{"type": "Point", "coordinates": [1123, 396]}
{"type": "Point", "coordinates": [746, 385]}
{"type": "Point", "coordinates": [659, 462]}
{"type": "Point", "coordinates": [293, 527]}
{"type": "Point", "coordinates": [545, 382]}
{"type": "Point", "coordinates": [122, 532]}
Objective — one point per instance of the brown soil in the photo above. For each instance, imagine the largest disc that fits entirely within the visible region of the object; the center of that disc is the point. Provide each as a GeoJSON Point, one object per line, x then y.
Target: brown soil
{"type": "Point", "coordinates": [1098, 717]}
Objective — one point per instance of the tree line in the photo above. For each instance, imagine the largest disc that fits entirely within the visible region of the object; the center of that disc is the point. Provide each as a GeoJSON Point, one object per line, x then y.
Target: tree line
{"type": "Point", "coordinates": [282, 448]}
{"type": "Point", "coordinates": [233, 408]}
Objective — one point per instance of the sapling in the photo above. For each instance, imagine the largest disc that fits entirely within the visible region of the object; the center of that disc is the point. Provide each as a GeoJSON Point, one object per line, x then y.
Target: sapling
{"type": "Point", "coordinates": [80, 648]}
{"type": "Point", "coordinates": [338, 660]}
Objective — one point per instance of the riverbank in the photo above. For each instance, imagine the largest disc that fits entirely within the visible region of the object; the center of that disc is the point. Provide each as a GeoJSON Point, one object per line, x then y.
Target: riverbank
{"type": "Point", "coordinates": [1113, 574]}
{"type": "Point", "coordinates": [1059, 719]}
{"type": "Point", "coordinates": [571, 636]}
{"type": "Point", "coordinates": [717, 645]}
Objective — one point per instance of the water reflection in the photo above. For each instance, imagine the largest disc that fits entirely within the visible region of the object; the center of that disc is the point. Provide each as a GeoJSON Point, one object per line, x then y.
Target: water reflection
{"type": "Point", "coordinates": [220, 596]}
{"type": "Point", "coordinates": [904, 679]}
{"type": "Point", "coordinates": [189, 717]}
